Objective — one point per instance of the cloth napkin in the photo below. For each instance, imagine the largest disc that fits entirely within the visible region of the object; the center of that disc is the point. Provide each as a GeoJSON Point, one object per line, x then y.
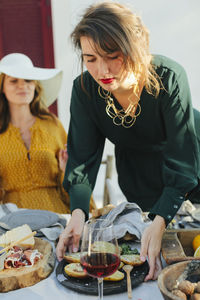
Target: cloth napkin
{"type": "Point", "coordinates": [126, 217]}
{"type": "Point", "coordinates": [186, 208]}
{"type": "Point", "coordinates": [188, 215]}
{"type": "Point", "coordinates": [51, 233]}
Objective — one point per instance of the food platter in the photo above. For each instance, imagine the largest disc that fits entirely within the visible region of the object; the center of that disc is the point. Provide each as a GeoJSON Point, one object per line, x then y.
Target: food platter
{"type": "Point", "coordinates": [89, 285]}
{"type": "Point", "coordinates": [12, 279]}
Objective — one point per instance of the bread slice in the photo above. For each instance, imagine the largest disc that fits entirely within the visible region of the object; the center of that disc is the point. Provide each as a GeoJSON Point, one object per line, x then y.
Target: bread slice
{"type": "Point", "coordinates": [117, 276]}
{"type": "Point", "coordinates": [102, 211]}
{"type": "Point", "coordinates": [120, 265]}
{"type": "Point", "coordinates": [102, 246]}
{"type": "Point", "coordinates": [16, 234]}
{"type": "Point", "coordinates": [131, 259]}
{"type": "Point", "coordinates": [75, 270]}
{"type": "Point", "coordinates": [72, 257]}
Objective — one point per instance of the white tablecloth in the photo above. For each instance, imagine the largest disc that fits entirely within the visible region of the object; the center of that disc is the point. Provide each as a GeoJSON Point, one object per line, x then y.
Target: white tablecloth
{"type": "Point", "coordinates": [51, 289]}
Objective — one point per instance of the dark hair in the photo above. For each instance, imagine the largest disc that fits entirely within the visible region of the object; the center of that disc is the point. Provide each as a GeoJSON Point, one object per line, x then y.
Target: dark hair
{"type": "Point", "coordinates": [114, 27]}
{"type": "Point", "coordinates": [37, 106]}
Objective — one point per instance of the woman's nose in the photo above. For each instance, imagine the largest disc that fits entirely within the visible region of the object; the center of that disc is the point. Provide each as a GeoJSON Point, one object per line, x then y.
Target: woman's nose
{"type": "Point", "coordinates": [21, 82]}
{"type": "Point", "coordinates": [103, 67]}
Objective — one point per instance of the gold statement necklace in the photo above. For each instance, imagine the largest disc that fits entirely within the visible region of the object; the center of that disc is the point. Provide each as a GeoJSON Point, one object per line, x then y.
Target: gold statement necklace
{"type": "Point", "coordinates": [121, 117]}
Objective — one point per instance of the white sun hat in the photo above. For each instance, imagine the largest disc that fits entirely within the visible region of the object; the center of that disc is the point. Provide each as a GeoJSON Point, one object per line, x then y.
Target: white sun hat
{"type": "Point", "coordinates": [19, 65]}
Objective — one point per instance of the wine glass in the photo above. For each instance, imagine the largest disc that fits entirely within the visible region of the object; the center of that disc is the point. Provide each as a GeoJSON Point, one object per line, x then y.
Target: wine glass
{"type": "Point", "coordinates": [100, 255]}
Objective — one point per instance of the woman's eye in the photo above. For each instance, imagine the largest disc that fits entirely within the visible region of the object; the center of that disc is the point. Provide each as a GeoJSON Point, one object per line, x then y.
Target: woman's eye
{"type": "Point", "coordinates": [28, 80]}
{"type": "Point", "coordinates": [13, 81]}
{"type": "Point", "coordinates": [113, 57]}
{"type": "Point", "coordinates": [91, 60]}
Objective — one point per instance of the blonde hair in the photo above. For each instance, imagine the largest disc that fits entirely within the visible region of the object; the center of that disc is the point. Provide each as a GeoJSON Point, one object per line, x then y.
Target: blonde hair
{"type": "Point", "coordinates": [114, 27]}
{"type": "Point", "coordinates": [37, 106]}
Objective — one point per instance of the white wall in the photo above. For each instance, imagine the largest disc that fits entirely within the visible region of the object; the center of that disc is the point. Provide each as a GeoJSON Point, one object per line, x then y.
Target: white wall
{"type": "Point", "coordinates": [174, 31]}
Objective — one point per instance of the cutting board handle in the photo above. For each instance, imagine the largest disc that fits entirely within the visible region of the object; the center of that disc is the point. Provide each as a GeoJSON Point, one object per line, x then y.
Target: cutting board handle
{"type": "Point", "coordinates": [172, 249]}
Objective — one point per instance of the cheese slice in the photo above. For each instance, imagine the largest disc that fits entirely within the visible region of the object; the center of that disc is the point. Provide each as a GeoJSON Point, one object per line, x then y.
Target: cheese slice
{"type": "Point", "coordinates": [16, 234]}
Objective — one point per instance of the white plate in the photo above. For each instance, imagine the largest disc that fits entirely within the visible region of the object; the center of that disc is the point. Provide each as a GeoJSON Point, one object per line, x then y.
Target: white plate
{"type": "Point", "coordinates": [36, 219]}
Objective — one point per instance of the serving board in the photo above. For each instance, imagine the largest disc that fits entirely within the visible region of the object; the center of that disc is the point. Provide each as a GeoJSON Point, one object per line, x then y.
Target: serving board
{"type": "Point", "coordinates": [177, 245]}
{"type": "Point", "coordinates": [12, 279]}
{"type": "Point", "coordinates": [89, 285]}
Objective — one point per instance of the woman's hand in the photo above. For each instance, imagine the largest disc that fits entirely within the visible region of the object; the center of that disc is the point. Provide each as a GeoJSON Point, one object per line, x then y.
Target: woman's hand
{"type": "Point", "coordinates": [151, 245]}
{"type": "Point", "coordinates": [62, 158]}
{"type": "Point", "coordinates": [70, 237]}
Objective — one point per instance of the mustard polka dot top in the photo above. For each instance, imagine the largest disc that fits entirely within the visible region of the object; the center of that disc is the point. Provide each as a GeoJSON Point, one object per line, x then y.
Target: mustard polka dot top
{"type": "Point", "coordinates": [32, 178]}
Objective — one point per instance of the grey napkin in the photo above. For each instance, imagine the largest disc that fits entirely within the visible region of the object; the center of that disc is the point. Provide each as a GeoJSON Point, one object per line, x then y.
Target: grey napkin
{"type": "Point", "coordinates": [126, 217]}
{"type": "Point", "coordinates": [51, 232]}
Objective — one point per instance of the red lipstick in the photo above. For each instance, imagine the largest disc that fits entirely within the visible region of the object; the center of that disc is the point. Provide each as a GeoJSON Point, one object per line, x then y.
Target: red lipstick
{"type": "Point", "coordinates": [107, 80]}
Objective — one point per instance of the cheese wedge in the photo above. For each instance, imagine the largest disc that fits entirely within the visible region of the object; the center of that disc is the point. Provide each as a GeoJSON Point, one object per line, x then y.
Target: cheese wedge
{"type": "Point", "coordinates": [16, 234]}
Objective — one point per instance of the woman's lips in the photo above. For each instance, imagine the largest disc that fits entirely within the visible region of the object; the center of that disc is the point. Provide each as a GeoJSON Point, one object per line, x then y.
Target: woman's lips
{"type": "Point", "coordinates": [22, 94]}
{"type": "Point", "coordinates": [107, 80]}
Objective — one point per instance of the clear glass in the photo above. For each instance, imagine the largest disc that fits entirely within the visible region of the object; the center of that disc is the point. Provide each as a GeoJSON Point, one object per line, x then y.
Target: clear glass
{"type": "Point", "coordinates": [100, 256]}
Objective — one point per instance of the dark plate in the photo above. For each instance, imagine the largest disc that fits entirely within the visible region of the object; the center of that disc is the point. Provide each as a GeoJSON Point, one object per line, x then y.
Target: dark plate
{"type": "Point", "coordinates": [35, 218]}
{"type": "Point", "coordinates": [89, 285]}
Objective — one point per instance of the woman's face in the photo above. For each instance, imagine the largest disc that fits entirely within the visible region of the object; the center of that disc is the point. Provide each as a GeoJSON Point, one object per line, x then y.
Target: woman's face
{"type": "Point", "coordinates": [106, 69]}
{"type": "Point", "coordinates": [18, 91]}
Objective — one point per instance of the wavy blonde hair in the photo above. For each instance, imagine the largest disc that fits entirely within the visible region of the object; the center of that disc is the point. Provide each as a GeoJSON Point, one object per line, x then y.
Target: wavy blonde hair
{"type": "Point", "coordinates": [37, 106]}
{"type": "Point", "coordinates": [114, 27]}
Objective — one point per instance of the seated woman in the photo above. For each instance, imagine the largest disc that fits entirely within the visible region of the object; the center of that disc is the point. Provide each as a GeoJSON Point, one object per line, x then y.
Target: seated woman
{"type": "Point", "coordinates": [32, 151]}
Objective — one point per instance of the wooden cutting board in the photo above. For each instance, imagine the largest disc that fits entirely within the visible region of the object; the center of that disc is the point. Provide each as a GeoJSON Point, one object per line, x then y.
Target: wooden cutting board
{"type": "Point", "coordinates": [12, 279]}
{"type": "Point", "coordinates": [177, 245]}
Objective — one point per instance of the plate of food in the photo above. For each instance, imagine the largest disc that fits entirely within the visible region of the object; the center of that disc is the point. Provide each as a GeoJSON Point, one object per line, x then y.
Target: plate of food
{"type": "Point", "coordinates": [25, 260]}
{"type": "Point", "coordinates": [70, 274]}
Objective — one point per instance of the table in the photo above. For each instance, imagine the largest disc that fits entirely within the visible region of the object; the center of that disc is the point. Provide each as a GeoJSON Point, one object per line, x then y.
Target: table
{"type": "Point", "coordinates": [51, 289]}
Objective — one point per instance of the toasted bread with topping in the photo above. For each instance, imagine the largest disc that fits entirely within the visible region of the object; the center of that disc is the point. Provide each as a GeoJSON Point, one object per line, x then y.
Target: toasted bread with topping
{"type": "Point", "coordinates": [72, 257]}
{"type": "Point", "coordinates": [131, 259]}
{"type": "Point", "coordinates": [102, 246]}
{"type": "Point", "coordinates": [75, 270]}
{"type": "Point", "coordinates": [117, 276]}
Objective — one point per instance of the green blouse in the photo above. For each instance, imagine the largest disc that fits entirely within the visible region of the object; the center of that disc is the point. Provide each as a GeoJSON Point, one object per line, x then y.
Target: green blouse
{"type": "Point", "coordinates": [157, 159]}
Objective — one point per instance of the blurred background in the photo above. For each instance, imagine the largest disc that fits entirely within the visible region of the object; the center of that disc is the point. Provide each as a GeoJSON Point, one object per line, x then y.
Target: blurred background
{"type": "Point", "coordinates": [41, 29]}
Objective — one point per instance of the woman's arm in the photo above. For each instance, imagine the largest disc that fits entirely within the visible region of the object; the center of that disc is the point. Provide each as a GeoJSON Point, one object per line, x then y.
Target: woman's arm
{"type": "Point", "coordinates": [181, 155]}
{"type": "Point", "coordinates": [85, 147]}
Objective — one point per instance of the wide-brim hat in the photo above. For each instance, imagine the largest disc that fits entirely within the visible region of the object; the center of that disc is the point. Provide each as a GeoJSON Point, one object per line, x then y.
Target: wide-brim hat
{"type": "Point", "coordinates": [19, 65]}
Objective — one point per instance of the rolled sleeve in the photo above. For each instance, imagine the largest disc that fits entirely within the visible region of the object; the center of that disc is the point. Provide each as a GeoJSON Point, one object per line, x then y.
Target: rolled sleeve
{"type": "Point", "coordinates": [80, 194]}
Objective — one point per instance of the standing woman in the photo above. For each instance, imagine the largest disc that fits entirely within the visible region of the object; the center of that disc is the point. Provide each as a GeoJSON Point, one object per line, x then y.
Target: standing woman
{"type": "Point", "coordinates": [141, 103]}
{"type": "Point", "coordinates": [32, 140]}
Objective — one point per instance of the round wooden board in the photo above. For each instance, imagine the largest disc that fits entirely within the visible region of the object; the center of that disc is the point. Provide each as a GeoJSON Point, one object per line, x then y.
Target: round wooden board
{"type": "Point", "coordinates": [12, 279]}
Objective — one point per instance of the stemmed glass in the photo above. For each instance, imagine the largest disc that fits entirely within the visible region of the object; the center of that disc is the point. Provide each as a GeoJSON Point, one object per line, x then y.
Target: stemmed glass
{"type": "Point", "coordinates": [100, 256]}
